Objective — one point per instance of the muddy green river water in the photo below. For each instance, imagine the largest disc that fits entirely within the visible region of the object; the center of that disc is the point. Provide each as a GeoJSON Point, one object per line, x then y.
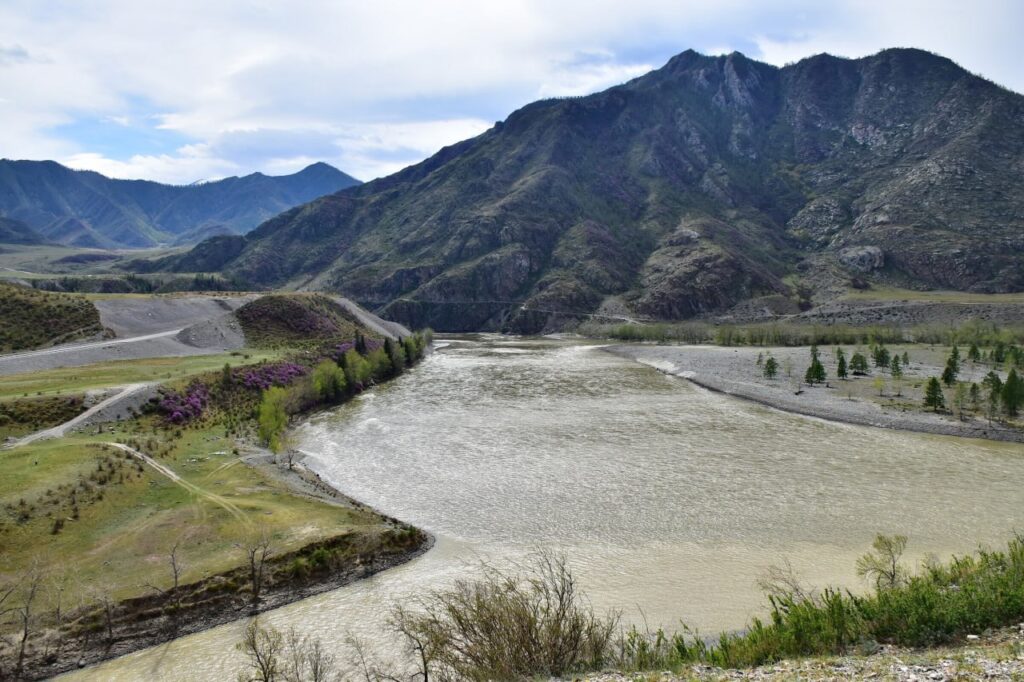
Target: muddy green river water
{"type": "Point", "coordinates": [668, 500]}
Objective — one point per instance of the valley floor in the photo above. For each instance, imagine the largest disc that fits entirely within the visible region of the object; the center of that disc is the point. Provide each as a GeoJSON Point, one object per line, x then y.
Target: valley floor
{"type": "Point", "coordinates": [857, 400]}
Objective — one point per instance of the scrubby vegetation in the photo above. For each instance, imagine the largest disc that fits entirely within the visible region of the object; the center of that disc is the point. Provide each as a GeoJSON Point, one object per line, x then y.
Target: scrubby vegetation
{"type": "Point", "coordinates": [30, 318]}
{"type": "Point", "coordinates": [25, 415]}
{"type": "Point", "coordinates": [535, 622]}
{"type": "Point", "coordinates": [294, 319]}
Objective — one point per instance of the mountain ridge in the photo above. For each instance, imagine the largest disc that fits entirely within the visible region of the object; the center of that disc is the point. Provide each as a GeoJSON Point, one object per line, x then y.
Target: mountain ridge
{"type": "Point", "coordinates": [683, 192]}
{"type": "Point", "coordinates": [86, 208]}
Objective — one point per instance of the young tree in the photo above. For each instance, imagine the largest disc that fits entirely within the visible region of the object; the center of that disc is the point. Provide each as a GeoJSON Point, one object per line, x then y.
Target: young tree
{"type": "Point", "coordinates": [881, 356]}
{"type": "Point", "coordinates": [396, 354]}
{"type": "Point", "coordinates": [815, 374]}
{"type": "Point", "coordinates": [994, 385]}
{"type": "Point", "coordinates": [760, 359]}
{"type": "Point", "coordinates": [933, 397]}
{"type": "Point", "coordinates": [357, 370]}
{"type": "Point", "coordinates": [879, 384]}
{"type": "Point", "coordinates": [882, 566]}
{"type": "Point", "coordinates": [328, 381]}
{"type": "Point", "coordinates": [960, 399]}
{"type": "Point", "coordinates": [273, 417]}
{"type": "Point", "coordinates": [263, 648]}
{"type": "Point", "coordinates": [258, 550]}
{"type": "Point", "coordinates": [1012, 393]}
{"type": "Point", "coordinates": [26, 615]}
{"type": "Point", "coordinates": [841, 370]}
{"type": "Point", "coordinates": [858, 364]}
{"type": "Point", "coordinates": [975, 397]}
{"type": "Point", "coordinates": [952, 370]}
{"type": "Point", "coordinates": [906, 359]}
{"type": "Point", "coordinates": [771, 368]}
{"type": "Point", "coordinates": [974, 353]}
{"type": "Point", "coordinates": [896, 369]}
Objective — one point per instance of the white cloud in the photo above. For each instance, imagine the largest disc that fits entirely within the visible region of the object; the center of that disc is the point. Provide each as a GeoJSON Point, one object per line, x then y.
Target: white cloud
{"type": "Point", "coordinates": [231, 87]}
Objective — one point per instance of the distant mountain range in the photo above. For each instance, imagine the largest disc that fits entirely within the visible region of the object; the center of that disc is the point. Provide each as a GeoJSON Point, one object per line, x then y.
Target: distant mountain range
{"type": "Point", "coordinates": [710, 182]}
{"type": "Point", "coordinates": [83, 208]}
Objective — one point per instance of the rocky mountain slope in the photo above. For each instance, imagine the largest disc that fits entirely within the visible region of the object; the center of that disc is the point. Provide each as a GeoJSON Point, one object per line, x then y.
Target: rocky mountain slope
{"type": "Point", "coordinates": [703, 184]}
{"type": "Point", "coordinates": [82, 208]}
{"type": "Point", "coordinates": [17, 232]}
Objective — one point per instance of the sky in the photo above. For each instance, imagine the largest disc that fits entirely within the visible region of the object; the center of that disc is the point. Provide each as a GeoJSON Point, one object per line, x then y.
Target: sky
{"type": "Point", "coordinates": [196, 90]}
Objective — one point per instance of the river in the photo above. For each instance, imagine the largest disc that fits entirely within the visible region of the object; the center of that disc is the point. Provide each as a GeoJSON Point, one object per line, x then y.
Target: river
{"type": "Point", "coordinates": [668, 500]}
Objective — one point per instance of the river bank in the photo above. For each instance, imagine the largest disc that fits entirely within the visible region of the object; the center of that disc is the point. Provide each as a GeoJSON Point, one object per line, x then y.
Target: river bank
{"type": "Point", "coordinates": [149, 621]}
{"type": "Point", "coordinates": [997, 655]}
{"type": "Point", "coordinates": [734, 371]}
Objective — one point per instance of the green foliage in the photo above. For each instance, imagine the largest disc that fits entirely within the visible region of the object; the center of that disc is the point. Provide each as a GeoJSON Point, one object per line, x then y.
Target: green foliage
{"type": "Point", "coordinates": [880, 354]}
{"type": "Point", "coordinates": [933, 396]}
{"type": "Point", "coordinates": [882, 567]}
{"type": "Point", "coordinates": [896, 368]}
{"type": "Point", "coordinates": [815, 374]}
{"type": "Point", "coordinates": [273, 417]}
{"type": "Point", "coordinates": [941, 603]}
{"type": "Point", "coordinates": [858, 364]}
{"type": "Point", "coordinates": [396, 355]}
{"type": "Point", "coordinates": [771, 368]}
{"type": "Point", "coordinates": [952, 370]}
{"type": "Point", "coordinates": [357, 370]}
{"type": "Point", "coordinates": [1012, 393]}
{"type": "Point", "coordinates": [329, 381]}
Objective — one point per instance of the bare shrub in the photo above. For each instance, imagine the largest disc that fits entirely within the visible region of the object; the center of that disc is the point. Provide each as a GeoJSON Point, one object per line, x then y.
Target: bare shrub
{"type": "Point", "coordinates": [505, 625]}
{"type": "Point", "coordinates": [882, 566]}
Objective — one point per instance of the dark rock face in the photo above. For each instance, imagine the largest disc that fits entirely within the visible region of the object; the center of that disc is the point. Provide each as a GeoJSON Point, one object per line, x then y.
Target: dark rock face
{"type": "Point", "coordinates": [700, 185]}
{"type": "Point", "coordinates": [86, 209]}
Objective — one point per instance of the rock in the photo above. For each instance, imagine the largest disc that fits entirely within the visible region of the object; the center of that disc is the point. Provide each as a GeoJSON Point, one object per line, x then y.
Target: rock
{"type": "Point", "coordinates": [862, 258]}
{"type": "Point", "coordinates": [973, 638]}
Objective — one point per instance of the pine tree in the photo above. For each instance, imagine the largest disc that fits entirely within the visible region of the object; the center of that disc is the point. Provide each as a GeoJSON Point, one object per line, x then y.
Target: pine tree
{"type": "Point", "coordinates": [841, 368]}
{"type": "Point", "coordinates": [906, 359]}
{"type": "Point", "coordinates": [895, 368]}
{"type": "Point", "coordinates": [858, 364]}
{"type": "Point", "coordinates": [771, 368]}
{"type": "Point", "coordinates": [815, 374]}
{"type": "Point", "coordinates": [933, 397]}
{"type": "Point", "coordinates": [952, 370]}
{"type": "Point", "coordinates": [1012, 394]}
{"type": "Point", "coordinates": [881, 356]}
{"type": "Point", "coordinates": [975, 394]}
{"type": "Point", "coordinates": [973, 353]}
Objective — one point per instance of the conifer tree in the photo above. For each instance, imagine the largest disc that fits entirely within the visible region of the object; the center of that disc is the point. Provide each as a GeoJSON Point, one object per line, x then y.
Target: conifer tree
{"type": "Point", "coordinates": [933, 397]}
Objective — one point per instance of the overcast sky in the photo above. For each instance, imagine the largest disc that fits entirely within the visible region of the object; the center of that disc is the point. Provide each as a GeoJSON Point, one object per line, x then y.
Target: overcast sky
{"type": "Point", "coordinates": [192, 89]}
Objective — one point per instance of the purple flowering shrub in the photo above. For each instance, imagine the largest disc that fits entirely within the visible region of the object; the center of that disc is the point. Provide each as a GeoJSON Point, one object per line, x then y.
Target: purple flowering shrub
{"type": "Point", "coordinates": [263, 377]}
{"type": "Point", "coordinates": [181, 408]}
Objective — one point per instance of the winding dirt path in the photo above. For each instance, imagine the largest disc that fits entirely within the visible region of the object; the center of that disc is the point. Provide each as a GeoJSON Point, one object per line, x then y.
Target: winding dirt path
{"type": "Point", "coordinates": [229, 506]}
{"type": "Point", "coordinates": [61, 429]}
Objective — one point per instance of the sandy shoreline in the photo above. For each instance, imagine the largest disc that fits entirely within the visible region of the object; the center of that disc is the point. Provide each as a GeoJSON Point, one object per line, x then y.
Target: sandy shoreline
{"type": "Point", "coordinates": [734, 371]}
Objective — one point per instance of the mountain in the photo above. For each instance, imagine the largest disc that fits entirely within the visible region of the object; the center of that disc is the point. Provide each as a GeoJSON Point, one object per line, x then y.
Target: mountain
{"type": "Point", "coordinates": [17, 232]}
{"type": "Point", "coordinates": [703, 184]}
{"type": "Point", "coordinates": [83, 208]}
